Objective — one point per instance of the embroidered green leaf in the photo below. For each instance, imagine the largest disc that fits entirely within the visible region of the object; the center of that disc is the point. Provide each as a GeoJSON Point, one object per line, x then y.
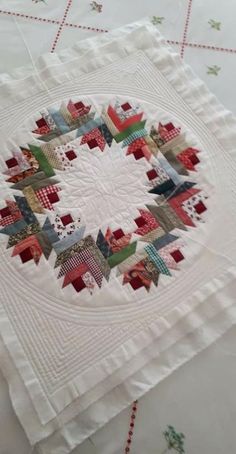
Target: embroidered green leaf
{"type": "Point", "coordinates": [215, 24]}
{"type": "Point", "coordinates": [213, 70]}
{"type": "Point", "coordinates": [157, 20]}
{"type": "Point", "coordinates": [96, 6]}
{"type": "Point", "coordinates": [175, 440]}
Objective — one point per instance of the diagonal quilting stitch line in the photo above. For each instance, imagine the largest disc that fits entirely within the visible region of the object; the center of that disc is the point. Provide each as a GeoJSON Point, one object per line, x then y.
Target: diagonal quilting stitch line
{"type": "Point", "coordinates": [55, 42]}
{"type": "Point", "coordinates": [184, 40]}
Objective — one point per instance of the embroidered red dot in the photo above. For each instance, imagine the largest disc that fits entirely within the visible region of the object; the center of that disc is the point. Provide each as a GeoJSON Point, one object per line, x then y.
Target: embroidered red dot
{"type": "Point", "coordinates": [131, 426]}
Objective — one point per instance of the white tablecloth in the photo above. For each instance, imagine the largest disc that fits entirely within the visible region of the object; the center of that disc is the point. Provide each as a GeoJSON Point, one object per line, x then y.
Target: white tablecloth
{"type": "Point", "coordinates": [198, 399]}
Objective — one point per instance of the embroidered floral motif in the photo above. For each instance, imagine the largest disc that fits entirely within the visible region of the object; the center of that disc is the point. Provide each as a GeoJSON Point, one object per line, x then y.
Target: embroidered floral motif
{"type": "Point", "coordinates": [213, 70]}
{"type": "Point", "coordinates": [140, 254]}
{"type": "Point", "coordinates": [157, 20]}
{"type": "Point", "coordinates": [96, 6]}
{"type": "Point", "coordinates": [175, 440]}
{"type": "Point", "coordinates": [215, 24]}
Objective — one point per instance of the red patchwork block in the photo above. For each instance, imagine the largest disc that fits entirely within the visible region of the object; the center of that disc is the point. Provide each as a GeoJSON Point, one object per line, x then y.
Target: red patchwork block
{"type": "Point", "coordinates": [200, 207]}
{"type": "Point", "coordinates": [67, 219]}
{"type": "Point", "coordinates": [140, 221]}
{"type": "Point", "coordinates": [78, 284]}
{"type": "Point", "coordinates": [152, 174]}
{"type": "Point", "coordinates": [177, 256]}
{"type": "Point", "coordinates": [136, 283]}
{"type": "Point", "coordinates": [126, 106]}
{"type": "Point", "coordinates": [53, 197]}
{"type": "Point", "coordinates": [11, 163]}
{"type": "Point", "coordinates": [26, 255]}
{"type": "Point", "coordinates": [71, 155]}
{"type": "Point", "coordinates": [118, 234]}
{"type": "Point", "coordinates": [4, 212]}
{"type": "Point", "coordinates": [138, 154]}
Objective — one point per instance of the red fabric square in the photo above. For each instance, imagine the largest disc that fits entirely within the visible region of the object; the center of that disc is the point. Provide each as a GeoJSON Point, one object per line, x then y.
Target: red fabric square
{"type": "Point", "coordinates": [177, 256]}
{"type": "Point", "coordinates": [53, 197]}
{"type": "Point", "coordinates": [5, 212]}
{"type": "Point", "coordinates": [138, 154]}
{"type": "Point", "coordinates": [118, 234]}
{"type": "Point", "coordinates": [136, 283]}
{"type": "Point", "coordinates": [200, 207]}
{"type": "Point", "coordinates": [26, 255]}
{"type": "Point", "coordinates": [140, 221]}
{"type": "Point", "coordinates": [11, 163]}
{"type": "Point", "coordinates": [169, 126]}
{"type": "Point", "coordinates": [126, 106]}
{"type": "Point", "coordinates": [67, 219]}
{"type": "Point", "coordinates": [152, 174]}
{"type": "Point", "coordinates": [79, 105]}
{"type": "Point", "coordinates": [71, 155]}
{"type": "Point", "coordinates": [78, 284]}
{"type": "Point", "coordinates": [194, 159]}
{"type": "Point", "coordinates": [40, 123]}
{"type": "Point", "coordinates": [92, 143]}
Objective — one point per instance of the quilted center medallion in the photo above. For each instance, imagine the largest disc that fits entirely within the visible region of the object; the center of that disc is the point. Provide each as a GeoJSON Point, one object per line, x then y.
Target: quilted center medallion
{"type": "Point", "coordinates": [103, 193]}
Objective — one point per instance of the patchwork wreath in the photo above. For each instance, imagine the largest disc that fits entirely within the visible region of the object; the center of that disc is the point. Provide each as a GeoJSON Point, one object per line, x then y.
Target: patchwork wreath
{"type": "Point", "coordinates": [153, 246]}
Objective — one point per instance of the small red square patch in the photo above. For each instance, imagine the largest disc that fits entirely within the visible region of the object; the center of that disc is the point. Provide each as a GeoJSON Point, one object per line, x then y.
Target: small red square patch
{"type": "Point", "coordinates": [78, 284]}
{"type": "Point", "coordinates": [92, 143]}
{"type": "Point", "coordinates": [152, 174]}
{"type": "Point", "coordinates": [200, 207]}
{"type": "Point", "coordinates": [177, 256]}
{"type": "Point", "coordinates": [67, 219]}
{"type": "Point", "coordinates": [41, 123]}
{"type": "Point", "coordinates": [71, 155]}
{"type": "Point", "coordinates": [136, 283]}
{"type": "Point", "coordinates": [4, 212]}
{"type": "Point", "coordinates": [118, 234]}
{"type": "Point", "coordinates": [26, 255]}
{"type": "Point", "coordinates": [169, 127]}
{"type": "Point", "coordinates": [140, 221]}
{"type": "Point", "coordinates": [126, 106]}
{"type": "Point", "coordinates": [53, 197]}
{"type": "Point", "coordinates": [79, 105]}
{"type": "Point", "coordinates": [138, 154]}
{"type": "Point", "coordinates": [194, 159]}
{"type": "Point", "coordinates": [11, 163]}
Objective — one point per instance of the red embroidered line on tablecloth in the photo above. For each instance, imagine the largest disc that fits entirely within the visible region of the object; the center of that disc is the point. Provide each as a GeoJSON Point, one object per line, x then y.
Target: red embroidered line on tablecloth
{"type": "Point", "coordinates": [102, 30]}
{"type": "Point", "coordinates": [69, 3]}
{"type": "Point", "coordinates": [51, 21]}
{"type": "Point", "coordinates": [186, 28]}
{"type": "Point", "coordinates": [203, 46]}
{"type": "Point", "coordinates": [131, 427]}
